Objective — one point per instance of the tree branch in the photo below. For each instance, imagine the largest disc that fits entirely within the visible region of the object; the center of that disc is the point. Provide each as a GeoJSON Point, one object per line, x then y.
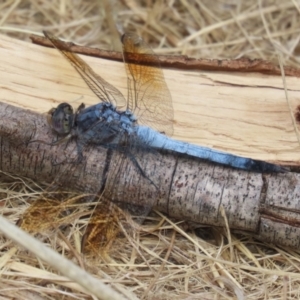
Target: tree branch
{"type": "Point", "coordinates": [188, 188]}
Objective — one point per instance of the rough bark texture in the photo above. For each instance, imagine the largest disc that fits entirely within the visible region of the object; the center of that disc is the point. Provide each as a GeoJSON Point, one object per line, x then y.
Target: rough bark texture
{"type": "Point", "coordinates": [192, 189]}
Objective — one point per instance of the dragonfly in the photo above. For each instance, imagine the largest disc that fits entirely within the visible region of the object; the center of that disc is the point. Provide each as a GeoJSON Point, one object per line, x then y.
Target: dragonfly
{"type": "Point", "coordinates": [128, 128]}
{"type": "Point", "coordinates": [147, 114]}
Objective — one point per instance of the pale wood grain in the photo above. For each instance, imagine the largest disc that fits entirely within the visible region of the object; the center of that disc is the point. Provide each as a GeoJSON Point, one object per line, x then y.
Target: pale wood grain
{"type": "Point", "coordinates": [242, 113]}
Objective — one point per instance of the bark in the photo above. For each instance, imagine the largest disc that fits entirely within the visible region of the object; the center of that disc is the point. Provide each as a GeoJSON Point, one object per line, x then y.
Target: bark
{"type": "Point", "coordinates": [191, 189]}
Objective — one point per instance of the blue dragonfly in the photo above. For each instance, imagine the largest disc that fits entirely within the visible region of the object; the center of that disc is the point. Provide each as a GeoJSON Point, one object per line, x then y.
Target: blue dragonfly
{"type": "Point", "coordinates": [146, 117]}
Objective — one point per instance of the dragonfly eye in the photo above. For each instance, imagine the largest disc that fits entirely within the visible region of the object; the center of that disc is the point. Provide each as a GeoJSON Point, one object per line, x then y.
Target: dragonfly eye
{"type": "Point", "coordinates": [61, 119]}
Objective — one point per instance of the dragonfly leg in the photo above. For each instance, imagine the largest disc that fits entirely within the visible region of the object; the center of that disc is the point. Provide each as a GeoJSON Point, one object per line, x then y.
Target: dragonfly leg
{"type": "Point", "coordinates": [66, 138]}
{"type": "Point", "coordinates": [126, 151]}
{"type": "Point", "coordinates": [137, 165]}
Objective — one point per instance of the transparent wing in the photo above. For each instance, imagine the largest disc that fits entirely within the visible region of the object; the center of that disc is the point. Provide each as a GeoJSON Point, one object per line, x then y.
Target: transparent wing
{"type": "Point", "coordinates": [148, 95]}
{"type": "Point", "coordinates": [101, 88]}
{"type": "Point", "coordinates": [63, 206]}
{"type": "Point", "coordinates": [127, 202]}
{"type": "Point", "coordinates": [126, 175]}
{"type": "Point", "coordinates": [95, 193]}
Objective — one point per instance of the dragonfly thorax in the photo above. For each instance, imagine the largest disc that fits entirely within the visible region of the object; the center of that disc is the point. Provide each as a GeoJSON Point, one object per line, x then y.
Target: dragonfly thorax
{"type": "Point", "coordinates": [104, 124]}
{"type": "Point", "coordinates": [104, 113]}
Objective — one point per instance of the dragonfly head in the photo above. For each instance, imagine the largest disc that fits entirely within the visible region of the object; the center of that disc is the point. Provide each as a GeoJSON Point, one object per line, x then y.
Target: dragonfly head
{"type": "Point", "coordinates": [61, 119]}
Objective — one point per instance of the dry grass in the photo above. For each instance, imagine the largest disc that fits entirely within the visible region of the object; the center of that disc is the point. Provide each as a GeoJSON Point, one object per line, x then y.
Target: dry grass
{"type": "Point", "coordinates": [164, 259]}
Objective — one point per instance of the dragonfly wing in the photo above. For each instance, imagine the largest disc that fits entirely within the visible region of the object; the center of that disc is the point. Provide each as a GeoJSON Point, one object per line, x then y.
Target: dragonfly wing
{"type": "Point", "coordinates": [63, 204]}
{"type": "Point", "coordinates": [127, 174]}
{"type": "Point", "coordinates": [101, 88]}
{"type": "Point", "coordinates": [95, 186]}
{"type": "Point", "coordinates": [127, 191]}
{"type": "Point", "coordinates": [148, 95]}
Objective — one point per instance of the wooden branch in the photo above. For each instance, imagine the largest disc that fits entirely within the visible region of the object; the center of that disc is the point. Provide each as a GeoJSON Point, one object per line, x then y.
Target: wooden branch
{"type": "Point", "coordinates": [187, 188]}
{"type": "Point", "coordinates": [266, 205]}
{"type": "Point", "coordinates": [242, 113]}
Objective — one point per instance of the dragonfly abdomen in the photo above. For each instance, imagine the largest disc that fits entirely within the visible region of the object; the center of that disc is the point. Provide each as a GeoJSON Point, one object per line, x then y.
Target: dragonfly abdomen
{"type": "Point", "coordinates": [159, 141]}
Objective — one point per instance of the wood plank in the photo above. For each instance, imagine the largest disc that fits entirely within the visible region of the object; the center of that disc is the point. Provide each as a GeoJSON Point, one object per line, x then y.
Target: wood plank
{"type": "Point", "coordinates": [242, 113]}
